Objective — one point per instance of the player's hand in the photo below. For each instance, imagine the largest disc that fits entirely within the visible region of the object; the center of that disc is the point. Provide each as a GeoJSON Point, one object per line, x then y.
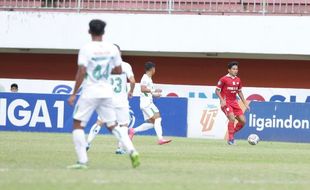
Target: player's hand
{"type": "Point", "coordinates": [159, 90]}
{"type": "Point", "coordinates": [223, 103]}
{"type": "Point", "coordinates": [71, 99]}
{"type": "Point", "coordinates": [157, 94]}
{"type": "Point", "coordinates": [247, 107]}
{"type": "Point", "coordinates": [130, 94]}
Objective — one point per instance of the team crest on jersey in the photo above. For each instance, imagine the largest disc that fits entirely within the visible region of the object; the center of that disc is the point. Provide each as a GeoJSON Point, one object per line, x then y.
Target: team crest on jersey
{"type": "Point", "coordinates": [234, 83]}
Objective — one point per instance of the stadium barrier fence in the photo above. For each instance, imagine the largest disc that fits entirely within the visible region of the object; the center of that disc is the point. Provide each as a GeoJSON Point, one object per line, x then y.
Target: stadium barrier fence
{"type": "Point", "coordinates": [261, 7]}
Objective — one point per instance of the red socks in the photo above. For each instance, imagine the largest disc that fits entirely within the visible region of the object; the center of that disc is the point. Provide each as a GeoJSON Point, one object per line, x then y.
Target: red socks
{"type": "Point", "coordinates": [238, 127]}
{"type": "Point", "coordinates": [231, 130]}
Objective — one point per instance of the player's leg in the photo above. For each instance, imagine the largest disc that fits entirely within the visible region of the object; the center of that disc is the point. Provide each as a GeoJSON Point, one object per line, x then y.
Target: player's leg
{"type": "Point", "coordinates": [231, 128]}
{"type": "Point", "coordinates": [231, 123]}
{"type": "Point", "coordinates": [143, 127]}
{"type": "Point", "coordinates": [94, 131]}
{"type": "Point", "coordinates": [157, 125]}
{"type": "Point", "coordinates": [106, 111]}
{"type": "Point", "coordinates": [239, 116]}
{"type": "Point", "coordinates": [149, 123]}
{"type": "Point", "coordinates": [82, 112]}
{"type": "Point", "coordinates": [121, 133]}
{"type": "Point", "coordinates": [123, 118]}
{"type": "Point", "coordinates": [241, 122]}
{"type": "Point", "coordinates": [120, 149]}
{"type": "Point", "coordinates": [80, 146]}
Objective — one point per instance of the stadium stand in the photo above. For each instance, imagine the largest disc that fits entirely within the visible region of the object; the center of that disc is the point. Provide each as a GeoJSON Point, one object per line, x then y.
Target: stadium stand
{"type": "Point", "coordinates": [219, 7]}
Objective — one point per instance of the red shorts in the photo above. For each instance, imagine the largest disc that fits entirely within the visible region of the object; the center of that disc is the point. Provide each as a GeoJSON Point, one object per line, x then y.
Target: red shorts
{"type": "Point", "coordinates": [232, 107]}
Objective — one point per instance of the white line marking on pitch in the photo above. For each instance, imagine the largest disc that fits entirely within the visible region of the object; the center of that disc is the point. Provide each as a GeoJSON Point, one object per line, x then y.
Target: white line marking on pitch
{"type": "Point", "coordinates": [100, 181]}
{"type": "Point", "coordinates": [4, 169]}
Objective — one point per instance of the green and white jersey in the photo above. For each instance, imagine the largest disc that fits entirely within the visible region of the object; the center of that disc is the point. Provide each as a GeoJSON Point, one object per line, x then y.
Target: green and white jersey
{"type": "Point", "coordinates": [119, 85]}
{"type": "Point", "coordinates": [146, 98]}
{"type": "Point", "coordinates": [99, 58]}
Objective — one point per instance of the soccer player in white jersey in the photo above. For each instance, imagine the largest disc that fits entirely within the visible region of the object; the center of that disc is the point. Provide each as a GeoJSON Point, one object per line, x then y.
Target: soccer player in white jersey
{"type": "Point", "coordinates": [96, 61]}
{"type": "Point", "coordinates": [120, 98]}
{"type": "Point", "coordinates": [150, 111]}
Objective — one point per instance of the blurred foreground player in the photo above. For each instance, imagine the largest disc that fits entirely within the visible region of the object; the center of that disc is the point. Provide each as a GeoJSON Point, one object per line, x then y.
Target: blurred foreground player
{"type": "Point", "coordinates": [121, 103]}
{"type": "Point", "coordinates": [96, 61]}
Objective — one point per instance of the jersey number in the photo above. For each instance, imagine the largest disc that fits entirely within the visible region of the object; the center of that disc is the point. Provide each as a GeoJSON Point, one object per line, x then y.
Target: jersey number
{"type": "Point", "coordinates": [117, 84]}
{"type": "Point", "coordinates": [98, 73]}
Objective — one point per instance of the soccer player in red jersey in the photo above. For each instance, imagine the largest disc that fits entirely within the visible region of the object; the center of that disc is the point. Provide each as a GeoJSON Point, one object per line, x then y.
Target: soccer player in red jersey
{"type": "Point", "coordinates": [227, 89]}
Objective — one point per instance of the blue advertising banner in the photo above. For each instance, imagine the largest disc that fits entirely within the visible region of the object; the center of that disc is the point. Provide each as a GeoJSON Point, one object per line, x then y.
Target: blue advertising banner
{"type": "Point", "coordinates": [51, 113]}
{"type": "Point", "coordinates": [277, 121]}
{"type": "Point", "coordinates": [173, 112]}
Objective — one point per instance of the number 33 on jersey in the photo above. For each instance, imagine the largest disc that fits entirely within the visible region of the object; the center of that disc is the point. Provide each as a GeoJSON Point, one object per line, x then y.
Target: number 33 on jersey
{"type": "Point", "coordinates": [119, 85]}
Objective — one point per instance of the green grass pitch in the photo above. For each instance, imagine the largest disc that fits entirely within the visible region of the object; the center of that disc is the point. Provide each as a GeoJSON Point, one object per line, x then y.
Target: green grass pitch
{"type": "Point", "coordinates": [31, 161]}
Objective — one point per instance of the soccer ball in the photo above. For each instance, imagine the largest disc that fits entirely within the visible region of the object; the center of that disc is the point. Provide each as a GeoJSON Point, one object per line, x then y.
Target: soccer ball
{"type": "Point", "coordinates": [253, 139]}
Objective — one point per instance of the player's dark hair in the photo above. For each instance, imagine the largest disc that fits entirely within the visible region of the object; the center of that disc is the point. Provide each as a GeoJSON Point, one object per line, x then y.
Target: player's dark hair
{"type": "Point", "coordinates": [232, 63]}
{"type": "Point", "coordinates": [149, 65]}
{"type": "Point", "coordinates": [14, 85]}
{"type": "Point", "coordinates": [96, 27]}
{"type": "Point", "coordinates": [119, 49]}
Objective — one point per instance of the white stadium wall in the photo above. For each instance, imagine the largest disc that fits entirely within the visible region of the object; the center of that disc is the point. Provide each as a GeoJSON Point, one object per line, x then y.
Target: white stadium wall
{"type": "Point", "coordinates": [197, 34]}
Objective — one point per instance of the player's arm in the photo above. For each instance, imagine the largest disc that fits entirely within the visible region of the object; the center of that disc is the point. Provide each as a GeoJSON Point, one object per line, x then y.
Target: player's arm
{"type": "Point", "coordinates": [218, 93]}
{"type": "Point", "coordinates": [130, 77]}
{"type": "Point", "coordinates": [218, 89]}
{"type": "Point", "coordinates": [241, 96]}
{"type": "Point", "coordinates": [144, 89]}
{"type": "Point", "coordinates": [80, 74]}
{"type": "Point", "coordinates": [79, 77]}
{"type": "Point", "coordinates": [117, 70]}
{"type": "Point", "coordinates": [117, 62]}
{"type": "Point", "coordinates": [155, 93]}
{"type": "Point", "coordinates": [132, 82]}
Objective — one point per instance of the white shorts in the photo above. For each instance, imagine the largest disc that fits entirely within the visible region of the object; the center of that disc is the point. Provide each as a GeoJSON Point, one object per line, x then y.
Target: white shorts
{"type": "Point", "coordinates": [149, 111]}
{"type": "Point", "coordinates": [85, 107]}
{"type": "Point", "coordinates": [122, 116]}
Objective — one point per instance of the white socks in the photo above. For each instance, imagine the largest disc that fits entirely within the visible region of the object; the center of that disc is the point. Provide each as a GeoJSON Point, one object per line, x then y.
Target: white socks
{"type": "Point", "coordinates": [120, 146]}
{"type": "Point", "coordinates": [121, 133]}
{"type": "Point", "coordinates": [147, 126]}
{"type": "Point", "coordinates": [143, 127]}
{"type": "Point", "coordinates": [158, 128]}
{"type": "Point", "coordinates": [93, 132]}
{"type": "Point", "coordinates": [80, 145]}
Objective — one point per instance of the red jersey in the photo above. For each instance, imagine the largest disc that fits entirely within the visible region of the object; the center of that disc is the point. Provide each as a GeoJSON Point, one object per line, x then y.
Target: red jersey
{"type": "Point", "coordinates": [229, 87]}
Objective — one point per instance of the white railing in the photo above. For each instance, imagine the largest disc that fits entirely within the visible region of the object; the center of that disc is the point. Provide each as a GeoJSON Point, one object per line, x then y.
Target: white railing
{"type": "Point", "coordinates": [167, 6]}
